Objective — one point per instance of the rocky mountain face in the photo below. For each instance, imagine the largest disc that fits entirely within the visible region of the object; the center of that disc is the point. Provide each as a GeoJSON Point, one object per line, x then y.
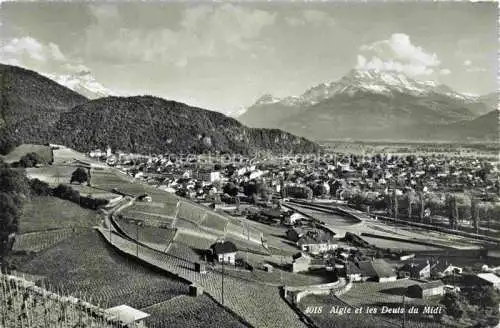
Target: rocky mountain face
{"type": "Point", "coordinates": [366, 104]}
{"type": "Point", "coordinates": [35, 109]}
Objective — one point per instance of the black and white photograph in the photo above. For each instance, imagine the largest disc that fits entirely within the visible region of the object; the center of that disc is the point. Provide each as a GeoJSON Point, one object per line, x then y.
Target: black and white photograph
{"type": "Point", "coordinates": [249, 164]}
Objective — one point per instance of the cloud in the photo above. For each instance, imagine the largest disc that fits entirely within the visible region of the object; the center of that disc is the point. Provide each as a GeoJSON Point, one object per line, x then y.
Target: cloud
{"type": "Point", "coordinates": [399, 54]}
{"type": "Point", "coordinates": [444, 71]}
{"type": "Point", "coordinates": [44, 58]}
{"type": "Point", "coordinates": [471, 68]}
{"type": "Point", "coordinates": [475, 69]}
{"type": "Point", "coordinates": [28, 49]}
{"type": "Point", "coordinates": [311, 17]}
{"type": "Point", "coordinates": [204, 31]}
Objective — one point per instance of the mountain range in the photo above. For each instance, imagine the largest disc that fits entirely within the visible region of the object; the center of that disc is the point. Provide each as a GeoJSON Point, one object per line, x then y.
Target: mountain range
{"type": "Point", "coordinates": [36, 109]}
{"type": "Point", "coordinates": [368, 104]}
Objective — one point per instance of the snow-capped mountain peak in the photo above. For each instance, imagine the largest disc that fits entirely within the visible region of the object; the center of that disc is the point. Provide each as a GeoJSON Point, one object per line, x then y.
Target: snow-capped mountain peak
{"type": "Point", "coordinates": [267, 99]}
{"type": "Point", "coordinates": [82, 82]}
{"type": "Point", "coordinates": [367, 80]}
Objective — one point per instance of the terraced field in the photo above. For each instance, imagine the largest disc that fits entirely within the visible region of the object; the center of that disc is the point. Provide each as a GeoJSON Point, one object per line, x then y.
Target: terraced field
{"type": "Point", "coordinates": [43, 213]}
{"type": "Point", "coordinates": [194, 241]}
{"type": "Point", "coordinates": [195, 312]}
{"type": "Point", "coordinates": [191, 212]}
{"type": "Point", "coordinates": [38, 241]}
{"type": "Point", "coordinates": [23, 305]}
{"type": "Point", "coordinates": [149, 218]}
{"type": "Point", "coordinates": [87, 266]}
{"type": "Point", "coordinates": [215, 221]}
{"type": "Point", "coordinates": [148, 233]}
{"type": "Point", "coordinates": [260, 305]}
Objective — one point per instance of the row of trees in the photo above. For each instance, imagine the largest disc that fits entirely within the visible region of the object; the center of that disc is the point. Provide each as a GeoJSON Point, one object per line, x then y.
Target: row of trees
{"type": "Point", "coordinates": [419, 206]}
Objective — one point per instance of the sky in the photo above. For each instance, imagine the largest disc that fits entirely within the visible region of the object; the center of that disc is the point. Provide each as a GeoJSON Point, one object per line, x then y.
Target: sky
{"type": "Point", "coordinates": [223, 56]}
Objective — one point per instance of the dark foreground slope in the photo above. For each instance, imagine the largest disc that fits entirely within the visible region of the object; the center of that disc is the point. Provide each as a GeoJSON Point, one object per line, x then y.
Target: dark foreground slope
{"type": "Point", "coordinates": [145, 123]}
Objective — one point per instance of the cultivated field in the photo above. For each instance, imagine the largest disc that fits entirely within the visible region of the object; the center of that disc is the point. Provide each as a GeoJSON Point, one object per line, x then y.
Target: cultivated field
{"type": "Point", "coordinates": [195, 312]}
{"type": "Point", "coordinates": [43, 213]}
{"type": "Point", "coordinates": [87, 266]}
{"type": "Point", "coordinates": [23, 305]}
{"type": "Point", "coordinates": [53, 175]}
{"type": "Point", "coordinates": [38, 241]}
{"type": "Point", "coordinates": [15, 155]}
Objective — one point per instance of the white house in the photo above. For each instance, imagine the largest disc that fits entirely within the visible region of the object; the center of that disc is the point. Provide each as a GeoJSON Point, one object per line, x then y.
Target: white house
{"type": "Point", "coordinates": [129, 316]}
{"type": "Point", "coordinates": [490, 279]}
{"type": "Point", "coordinates": [224, 252]}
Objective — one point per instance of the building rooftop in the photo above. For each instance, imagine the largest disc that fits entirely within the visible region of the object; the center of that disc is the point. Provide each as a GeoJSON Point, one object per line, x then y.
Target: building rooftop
{"type": "Point", "coordinates": [223, 247]}
{"type": "Point", "coordinates": [431, 284]}
{"type": "Point", "coordinates": [490, 277]}
{"type": "Point", "coordinates": [127, 314]}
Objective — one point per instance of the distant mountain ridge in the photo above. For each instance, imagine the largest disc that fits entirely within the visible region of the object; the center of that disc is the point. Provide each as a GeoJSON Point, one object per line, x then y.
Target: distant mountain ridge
{"type": "Point", "coordinates": [30, 104]}
{"type": "Point", "coordinates": [368, 104]}
{"type": "Point", "coordinates": [35, 109]}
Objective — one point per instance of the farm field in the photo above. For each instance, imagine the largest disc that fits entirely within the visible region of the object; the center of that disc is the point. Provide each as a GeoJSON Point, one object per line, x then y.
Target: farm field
{"type": "Point", "coordinates": [87, 266]}
{"type": "Point", "coordinates": [392, 244]}
{"type": "Point", "coordinates": [53, 174]}
{"type": "Point", "coordinates": [215, 221]}
{"type": "Point", "coordinates": [38, 241]}
{"type": "Point", "coordinates": [64, 155]}
{"type": "Point", "coordinates": [194, 241]}
{"type": "Point", "coordinates": [187, 311]}
{"type": "Point", "coordinates": [23, 306]}
{"type": "Point", "coordinates": [148, 233]}
{"type": "Point", "coordinates": [43, 213]}
{"type": "Point", "coordinates": [15, 155]}
{"type": "Point", "coordinates": [150, 218]}
{"type": "Point", "coordinates": [184, 252]}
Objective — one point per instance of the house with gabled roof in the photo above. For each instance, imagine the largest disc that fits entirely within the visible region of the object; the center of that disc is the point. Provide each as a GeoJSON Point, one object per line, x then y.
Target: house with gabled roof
{"type": "Point", "coordinates": [415, 270]}
{"type": "Point", "coordinates": [224, 251]}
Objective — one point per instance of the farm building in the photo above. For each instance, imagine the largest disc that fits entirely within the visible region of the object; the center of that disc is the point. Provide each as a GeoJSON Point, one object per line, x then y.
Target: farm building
{"type": "Point", "coordinates": [144, 198]}
{"type": "Point", "coordinates": [490, 279]}
{"type": "Point", "coordinates": [129, 316]}
{"type": "Point", "coordinates": [376, 270]}
{"type": "Point", "coordinates": [293, 218]}
{"type": "Point", "coordinates": [224, 252]}
{"type": "Point", "coordinates": [301, 262]}
{"type": "Point", "coordinates": [442, 269]}
{"type": "Point", "coordinates": [415, 270]}
{"type": "Point", "coordinates": [428, 289]}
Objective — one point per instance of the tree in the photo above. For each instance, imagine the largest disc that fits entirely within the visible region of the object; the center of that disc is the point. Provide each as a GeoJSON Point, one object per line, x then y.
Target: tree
{"type": "Point", "coordinates": [395, 198]}
{"type": "Point", "coordinates": [30, 160]}
{"type": "Point", "coordinates": [484, 296]}
{"type": "Point", "coordinates": [231, 189]}
{"type": "Point", "coordinates": [40, 188]}
{"type": "Point", "coordinates": [422, 206]}
{"type": "Point", "coordinates": [80, 175]}
{"type": "Point", "coordinates": [410, 197]}
{"type": "Point", "coordinates": [7, 142]}
{"type": "Point", "coordinates": [475, 214]}
{"type": "Point", "coordinates": [451, 203]}
{"type": "Point", "coordinates": [13, 181]}
{"type": "Point", "coordinates": [454, 305]}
